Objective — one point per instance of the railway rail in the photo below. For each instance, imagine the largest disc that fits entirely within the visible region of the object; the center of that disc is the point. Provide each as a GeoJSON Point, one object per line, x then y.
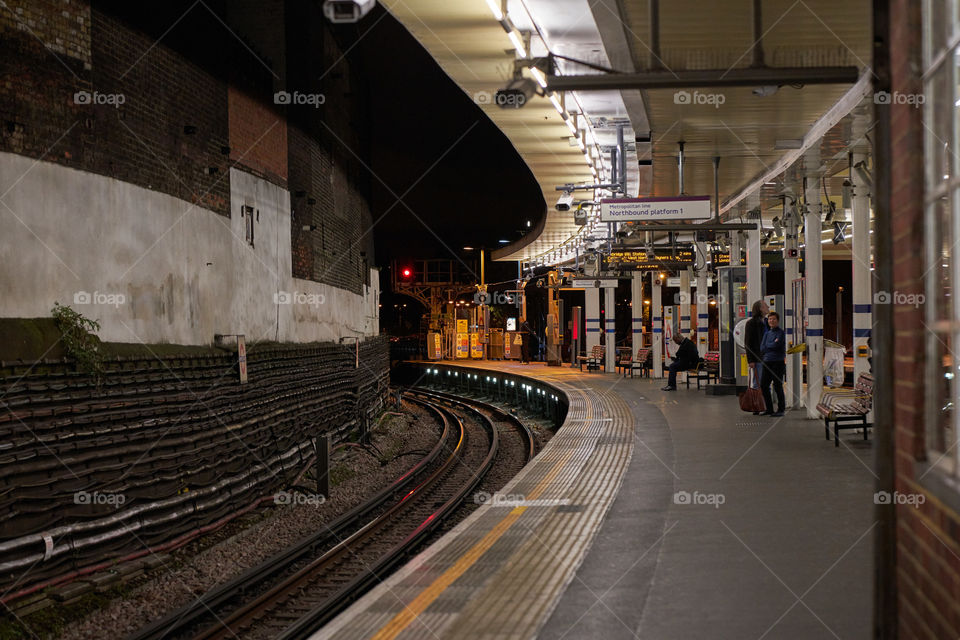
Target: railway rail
{"type": "Point", "coordinates": [295, 592]}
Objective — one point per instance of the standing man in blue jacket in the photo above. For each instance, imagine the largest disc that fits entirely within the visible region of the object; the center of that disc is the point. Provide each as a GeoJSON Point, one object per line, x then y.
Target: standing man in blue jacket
{"type": "Point", "coordinates": [773, 348]}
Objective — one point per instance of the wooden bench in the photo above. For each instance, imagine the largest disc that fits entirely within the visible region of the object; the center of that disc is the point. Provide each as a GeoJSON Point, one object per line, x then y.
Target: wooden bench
{"type": "Point", "coordinates": [707, 368]}
{"type": "Point", "coordinates": [623, 360]}
{"type": "Point", "coordinates": [594, 360]}
{"type": "Point", "coordinates": [642, 363]}
{"type": "Point", "coordinates": [849, 407]}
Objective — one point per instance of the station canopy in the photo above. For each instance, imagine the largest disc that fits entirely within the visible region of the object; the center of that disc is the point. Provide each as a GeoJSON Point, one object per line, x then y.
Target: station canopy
{"type": "Point", "coordinates": [777, 90]}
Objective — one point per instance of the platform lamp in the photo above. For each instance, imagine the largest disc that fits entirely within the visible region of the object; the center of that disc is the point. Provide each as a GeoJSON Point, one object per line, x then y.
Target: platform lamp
{"type": "Point", "coordinates": [483, 311]}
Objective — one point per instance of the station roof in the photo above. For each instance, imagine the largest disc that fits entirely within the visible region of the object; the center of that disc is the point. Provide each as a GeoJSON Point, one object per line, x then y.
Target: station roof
{"type": "Point", "coordinates": [762, 134]}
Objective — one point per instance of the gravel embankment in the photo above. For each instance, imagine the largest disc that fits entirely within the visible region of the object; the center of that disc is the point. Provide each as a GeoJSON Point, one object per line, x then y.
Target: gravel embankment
{"type": "Point", "coordinates": [356, 475]}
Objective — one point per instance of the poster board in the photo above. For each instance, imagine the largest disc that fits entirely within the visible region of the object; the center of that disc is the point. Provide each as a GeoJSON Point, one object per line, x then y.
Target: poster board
{"type": "Point", "coordinates": [463, 345]}
{"type": "Point", "coordinates": [476, 347]}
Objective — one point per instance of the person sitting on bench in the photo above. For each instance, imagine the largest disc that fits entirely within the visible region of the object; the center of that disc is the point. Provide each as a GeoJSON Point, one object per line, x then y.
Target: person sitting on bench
{"type": "Point", "coordinates": [687, 358]}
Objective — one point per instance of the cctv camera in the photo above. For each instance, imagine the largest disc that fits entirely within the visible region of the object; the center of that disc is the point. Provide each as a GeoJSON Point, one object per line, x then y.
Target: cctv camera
{"type": "Point", "coordinates": [347, 11]}
{"type": "Point", "coordinates": [847, 197]}
{"type": "Point", "coordinates": [765, 90]}
{"type": "Point", "coordinates": [565, 201]}
{"type": "Point", "coordinates": [516, 94]}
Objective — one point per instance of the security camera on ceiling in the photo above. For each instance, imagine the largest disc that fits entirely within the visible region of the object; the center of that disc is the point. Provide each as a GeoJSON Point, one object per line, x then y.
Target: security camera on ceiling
{"type": "Point", "coordinates": [347, 11]}
{"type": "Point", "coordinates": [516, 94]}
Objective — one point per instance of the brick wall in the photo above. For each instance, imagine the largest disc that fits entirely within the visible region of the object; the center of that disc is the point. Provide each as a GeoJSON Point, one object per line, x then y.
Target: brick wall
{"type": "Point", "coordinates": [170, 134]}
{"type": "Point", "coordinates": [37, 84]}
{"type": "Point", "coordinates": [328, 179]}
{"type": "Point", "coordinates": [258, 137]}
{"type": "Point", "coordinates": [196, 85]}
{"type": "Point", "coordinates": [928, 537]}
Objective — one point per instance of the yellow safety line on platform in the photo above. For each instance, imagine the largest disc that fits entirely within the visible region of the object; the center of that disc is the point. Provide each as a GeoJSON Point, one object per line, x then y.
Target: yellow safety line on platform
{"type": "Point", "coordinates": [418, 605]}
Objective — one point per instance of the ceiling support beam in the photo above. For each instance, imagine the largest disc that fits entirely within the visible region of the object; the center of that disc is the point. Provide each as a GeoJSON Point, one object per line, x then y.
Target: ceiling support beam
{"type": "Point", "coordinates": [853, 97]}
{"type": "Point", "coordinates": [730, 226]}
{"type": "Point", "coordinates": [749, 77]}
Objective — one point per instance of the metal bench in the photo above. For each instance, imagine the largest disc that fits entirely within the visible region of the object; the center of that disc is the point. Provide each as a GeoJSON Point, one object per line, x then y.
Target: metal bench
{"type": "Point", "coordinates": [847, 409]}
{"type": "Point", "coordinates": [594, 360]}
{"type": "Point", "coordinates": [623, 360]}
{"type": "Point", "coordinates": [642, 363]}
{"type": "Point", "coordinates": [707, 368]}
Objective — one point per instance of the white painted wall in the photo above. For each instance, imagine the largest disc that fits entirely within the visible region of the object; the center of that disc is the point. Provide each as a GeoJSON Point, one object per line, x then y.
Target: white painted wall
{"type": "Point", "coordinates": [164, 270]}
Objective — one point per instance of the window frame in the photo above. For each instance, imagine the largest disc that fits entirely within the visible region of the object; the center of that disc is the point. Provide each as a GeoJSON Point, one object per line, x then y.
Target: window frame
{"type": "Point", "coordinates": [937, 187]}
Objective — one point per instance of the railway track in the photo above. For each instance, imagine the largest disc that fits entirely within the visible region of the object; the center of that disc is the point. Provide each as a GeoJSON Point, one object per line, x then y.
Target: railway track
{"type": "Point", "coordinates": [295, 592]}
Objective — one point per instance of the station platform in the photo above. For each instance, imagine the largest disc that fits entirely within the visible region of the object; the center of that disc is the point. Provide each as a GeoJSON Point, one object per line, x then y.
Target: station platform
{"type": "Point", "coordinates": [655, 515]}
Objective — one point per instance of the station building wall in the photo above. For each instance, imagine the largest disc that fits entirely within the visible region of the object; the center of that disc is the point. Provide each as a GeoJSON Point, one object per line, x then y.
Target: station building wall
{"type": "Point", "coordinates": [927, 530]}
{"type": "Point", "coordinates": [141, 198]}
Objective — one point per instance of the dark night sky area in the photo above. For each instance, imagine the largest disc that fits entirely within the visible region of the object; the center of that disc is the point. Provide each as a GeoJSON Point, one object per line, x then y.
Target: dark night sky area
{"type": "Point", "coordinates": [479, 190]}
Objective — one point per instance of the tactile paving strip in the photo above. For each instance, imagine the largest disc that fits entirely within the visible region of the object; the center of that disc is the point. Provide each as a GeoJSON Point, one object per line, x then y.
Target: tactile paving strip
{"type": "Point", "coordinates": [501, 572]}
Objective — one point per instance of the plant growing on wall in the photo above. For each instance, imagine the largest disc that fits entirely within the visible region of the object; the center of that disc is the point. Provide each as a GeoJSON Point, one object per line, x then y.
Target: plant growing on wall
{"type": "Point", "coordinates": [77, 335]}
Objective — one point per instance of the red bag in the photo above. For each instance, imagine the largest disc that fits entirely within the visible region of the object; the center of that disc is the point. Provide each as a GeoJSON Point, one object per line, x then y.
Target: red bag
{"type": "Point", "coordinates": [751, 400]}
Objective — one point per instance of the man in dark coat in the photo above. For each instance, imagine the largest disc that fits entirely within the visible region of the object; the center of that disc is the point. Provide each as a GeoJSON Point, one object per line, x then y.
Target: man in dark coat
{"type": "Point", "coordinates": [687, 358]}
{"type": "Point", "coordinates": [753, 335]}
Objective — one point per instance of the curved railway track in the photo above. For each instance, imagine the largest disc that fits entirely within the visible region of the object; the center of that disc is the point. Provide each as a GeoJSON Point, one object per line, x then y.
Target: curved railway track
{"type": "Point", "coordinates": [294, 593]}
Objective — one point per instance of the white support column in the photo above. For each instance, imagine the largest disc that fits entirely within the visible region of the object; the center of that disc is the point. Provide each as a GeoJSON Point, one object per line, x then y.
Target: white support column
{"type": "Point", "coordinates": [636, 309]}
{"type": "Point", "coordinates": [754, 285]}
{"type": "Point", "coordinates": [862, 290]}
{"type": "Point", "coordinates": [610, 329]}
{"type": "Point", "coordinates": [591, 315]}
{"type": "Point", "coordinates": [685, 299]}
{"type": "Point", "coordinates": [656, 314]}
{"type": "Point", "coordinates": [813, 264]}
{"type": "Point", "coordinates": [791, 271]}
{"type": "Point", "coordinates": [703, 301]}
{"type": "Point", "coordinates": [735, 249]}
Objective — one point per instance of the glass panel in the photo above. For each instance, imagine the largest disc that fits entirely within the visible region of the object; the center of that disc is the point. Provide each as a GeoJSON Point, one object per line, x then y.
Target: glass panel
{"type": "Point", "coordinates": [943, 395]}
{"type": "Point", "coordinates": [939, 25]}
{"type": "Point", "coordinates": [942, 367]}
{"type": "Point", "coordinates": [940, 296]}
{"type": "Point", "coordinates": [951, 103]}
{"type": "Point", "coordinates": [940, 113]}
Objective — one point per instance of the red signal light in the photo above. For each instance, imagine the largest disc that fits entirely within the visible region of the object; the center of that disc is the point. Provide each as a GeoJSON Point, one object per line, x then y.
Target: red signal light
{"type": "Point", "coordinates": [407, 273]}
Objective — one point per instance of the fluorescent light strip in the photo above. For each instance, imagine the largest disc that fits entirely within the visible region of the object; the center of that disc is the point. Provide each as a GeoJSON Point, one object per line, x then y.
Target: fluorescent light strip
{"type": "Point", "coordinates": [517, 44]}
{"type": "Point", "coordinates": [495, 8]}
{"type": "Point", "coordinates": [556, 103]}
{"type": "Point", "coordinates": [539, 77]}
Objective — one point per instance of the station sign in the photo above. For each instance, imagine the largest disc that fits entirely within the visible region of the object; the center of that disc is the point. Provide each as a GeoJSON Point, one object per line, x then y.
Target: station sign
{"type": "Point", "coordinates": [242, 358]}
{"type": "Point", "coordinates": [767, 259]}
{"type": "Point", "coordinates": [664, 258]}
{"type": "Point", "coordinates": [589, 283]}
{"type": "Point", "coordinates": [655, 209]}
